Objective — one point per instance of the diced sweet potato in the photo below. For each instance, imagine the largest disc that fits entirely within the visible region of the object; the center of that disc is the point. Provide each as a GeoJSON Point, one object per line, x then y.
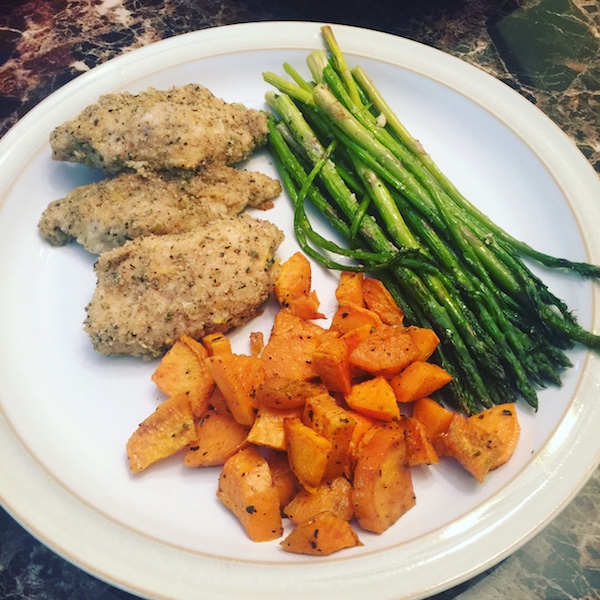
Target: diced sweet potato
{"type": "Point", "coordinates": [306, 306]}
{"type": "Point", "coordinates": [257, 343]}
{"type": "Point", "coordinates": [290, 348]}
{"type": "Point", "coordinates": [383, 489]}
{"type": "Point", "coordinates": [268, 429]}
{"type": "Point", "coordinates": [218, 403]}
{"type": "Point", "coordinates": [284, 479]}
{"type": "Point", "coordinates": [283, 392]}
{"type": "Point", "coordinates": [246, 489]}
{"type": "Point", "coordinates": [434, 417]}
{"type": "Point", "coordinates": [218, 437]}
{"type": "Point", "coordinates": [354, 337]}
{"type": "Point", "coordinates": [362, 424]}
{"type": "Point", "coordinates": [419, 380]}
{"type": "Point", "coordinates": [322, 535]}
{"type": "Point", "coordinates": [379, 300]}
{"type": "Point", "coordinates": [308, 453]}
{"type": "Point", "coordinates": [475, 449]}
{"type": "Point", "coordinates": [331, 362]}
{"type": "Point", "coordinates": [349, 289]}
{"type": "Point", "coordinates": [323, 414]}
{"type": "Point", "coordinates": [293, 280]}
{"type": "Point", "coordinates": [216, 343]}
{"type": "Point", "coordinates": [334, 497]}
{"type": "Point", "coordinates": [374, 398]}
{"type": "Point", "coordinates": [169, 429]}
{"type": "Point", "coordinates": [426, 340]}
{"type": "Point", "coordinates": [385, 352]}
{"type": "Point", "coordinates": [419, 450]}
{"type": "Point", "coordinates": [350, 316]}
{"type": "Point", "coordinates": [238, 377]}
{"type": "Point", "coordinates": [502, 421]}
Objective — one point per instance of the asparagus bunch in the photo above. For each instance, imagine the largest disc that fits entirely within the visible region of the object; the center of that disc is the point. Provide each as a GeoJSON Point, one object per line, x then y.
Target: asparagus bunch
{"type": "Point", "coordinates": [338, 145]}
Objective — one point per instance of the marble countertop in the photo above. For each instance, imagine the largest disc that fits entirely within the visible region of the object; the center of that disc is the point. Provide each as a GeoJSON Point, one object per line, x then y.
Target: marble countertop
{"type": "Point", "coordinates": [548, 50]}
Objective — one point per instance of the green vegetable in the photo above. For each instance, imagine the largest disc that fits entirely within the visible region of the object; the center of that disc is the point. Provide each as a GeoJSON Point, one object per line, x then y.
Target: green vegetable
{"type": "Point", "coordinates": [338, 145]}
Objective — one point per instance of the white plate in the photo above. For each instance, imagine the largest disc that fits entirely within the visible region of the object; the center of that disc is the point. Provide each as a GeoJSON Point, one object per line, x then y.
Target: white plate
{"type": "Point", "coordinates": [67, 412]}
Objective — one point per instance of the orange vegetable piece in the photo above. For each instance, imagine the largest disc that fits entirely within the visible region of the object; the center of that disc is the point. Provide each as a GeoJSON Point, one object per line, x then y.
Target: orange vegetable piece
{"type": "Point", "coordinates": [383, 489]}
{"type": "Point", "coordinates": [218, 403]}
{"type": "Point", "coordinates": [257, 343]}
{"type": "Point", "coordinates": [218, 437]}
{"type": "Point", "coordinates": [308, 453]}
{"type": "Point", "coordinates": [331, 362]}
{"type": "Point", "coordinates": [284, 479]}
{"type": "Point", "coordinates": [169, 429]}
{"type": "Point", "coordinates": [350, 316]}
{"type": "Point", "coordinates": [306, 306]}
{"type": "Point", "coordinates": [385, 352]}
{"type": "Point", "coordinates": [290, 348]}
{"type": "Point", "coordinates": [354, 337]}
{"type": "Point", "coordinates": [334, 497]}
{"type": "Point", "coordinates": [419, 449]}
{"type": "Point", "coordinates": [502, 421]}
{"type": "Point", "coordinates": [374, 398]}
{"type": "Point", "coordinates": [216, 343]}
{"type": "Point", "coordinates": [350, 289]}
{"type": "Point", "coordinates": [419, 380]}
{"type": "Point", "coordinates": [322, 535]}
{"type": "Point", "coordinates": [246, 488]}
{"type": "Point", "coordinates": [434, 417]}
{"type": "Point", "coordinates": [283, 392]}
{"type": "Point", "coordinates": [238, 377]}
{"type": "Point", "coordinates": [379, 300]}
{"type": "Point", "coordinates": [294, 279]}
{"type": "Point", "coordinates": [268, 429]}
{"type": "Point", "coordinates": [426, 340]}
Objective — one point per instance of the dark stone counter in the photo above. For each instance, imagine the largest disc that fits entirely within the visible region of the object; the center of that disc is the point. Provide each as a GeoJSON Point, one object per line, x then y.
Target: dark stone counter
{"type": "Point", "coordinates": [548, 50]}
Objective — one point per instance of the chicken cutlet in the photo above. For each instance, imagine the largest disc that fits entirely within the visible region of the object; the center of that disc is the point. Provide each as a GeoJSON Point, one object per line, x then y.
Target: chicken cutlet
{"type": "Point", "coordinates": [102, 216]}
{"type": "Point", "coordinates": [184, 127]}
{"type": "Point", "coordinates": [154, 289]}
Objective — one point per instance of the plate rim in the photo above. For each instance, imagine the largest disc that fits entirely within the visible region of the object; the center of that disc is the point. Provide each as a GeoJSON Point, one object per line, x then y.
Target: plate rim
{"type": "Point", "coordinates": [25, 477]}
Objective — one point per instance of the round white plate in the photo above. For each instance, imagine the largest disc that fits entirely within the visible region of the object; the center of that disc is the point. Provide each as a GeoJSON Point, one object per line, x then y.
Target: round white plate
{"type": "Point", "coordinates": [66, 412]}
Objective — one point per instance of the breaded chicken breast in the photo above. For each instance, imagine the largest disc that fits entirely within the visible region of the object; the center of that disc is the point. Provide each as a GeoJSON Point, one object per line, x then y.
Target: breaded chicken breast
{"type": "Point", "coordinates": [184, 127]}
{"type": "Point", "coordinates": [156, 288]}
{"type": "Point", "coordinates": [102, 216]}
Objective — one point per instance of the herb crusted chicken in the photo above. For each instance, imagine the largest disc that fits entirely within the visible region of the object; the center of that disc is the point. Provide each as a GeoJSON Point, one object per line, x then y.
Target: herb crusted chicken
{"type": "Point", "coordinates": [156, 288]}
{"type": "Point", "coordinates": [184, 127]}
{"type": "Point", "coordinates": [102, 216]}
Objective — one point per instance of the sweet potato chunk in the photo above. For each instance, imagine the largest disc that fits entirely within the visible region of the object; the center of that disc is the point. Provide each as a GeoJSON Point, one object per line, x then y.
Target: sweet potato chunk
{"type": "Point", "coordinates": [284, 479]}
{"type": "Point", "coordinates": [246, 489]}
{"type": "Point", "coordinates": [434, 417]}
{"type": "Point", "coordinates": [383, 489]}
{"type": "Point", "coordinates": [374, 398]}
{"type": "Point", "coordinates": [218, 437]}
{"type": "Point", "coordinates": [268, 429]}
{"type": "Point", "coordinates": [350, 316]}
{"type": "Point", "coordinates": [502, 421]}
{"type": "Point", "coordinates": [294, 279]}
{"type": "Point", "coordinates": [419, 380]}
{"type": "Point", "coordinates": [216, 343]}
{"type": "Point", "coordinates": [283, 392]}
{"type": "Point", "coordinates": [322, 535]}
{"type": "Point", "coordinates": [169, 429]}
{"type": "Point", "coordinates": [426, 340]}
{"type": "Point", "coordinates": [379, 300]}
{"type": "Point", "coordinates": [331, 362]}
{"type": "Point", "coordinates": [334, 497]}
{"type": "Point", "coordinates": [308, 452]}
{"type": "Point", "coordinates": [385, 352]}
{"type": "Point", "coordinates": [419, 449]}
{"type": "Point", "coordinates": [349, 289]}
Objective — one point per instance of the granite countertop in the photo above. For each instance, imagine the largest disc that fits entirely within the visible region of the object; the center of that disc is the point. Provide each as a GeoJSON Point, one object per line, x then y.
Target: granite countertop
{"type": "Point", "coordinates": [548, 50]}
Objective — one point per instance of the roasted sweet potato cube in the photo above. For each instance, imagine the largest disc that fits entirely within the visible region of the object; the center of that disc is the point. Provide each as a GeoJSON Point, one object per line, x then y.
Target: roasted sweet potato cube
{"type": "Point", "coordinates": [419, 380]}
{"type": "Point", "coordinates": [386, 351]}
{"type": "Point", "coordinates": [382, 486]}
{"type": "Point", "coordinates": [350, 316]}
{"type": "Point", "coordinates": [362, 424]}
{"type": "Point", "coordinates": [306, 306]}
{"type": "Point", "coordinates": [419, 449]}
{"type": "Point", "coordinates": [284, 479]}
{"type": "Point", "coordinates": [475, 449]}
{"type": "Point", "coordinates": [283, 392]}
{"type": "Point", "coordinates": [334, 423]}
{"type": "Point", "coordinates": [502, 421]}
{"type": "Point", "coordinates": [169, 429]}
{"type": "Point", "coordinates": [218, 437]}
{"type": "Point", "coordinates": [257, 343]}
{"type": "Point", "coordinates": [293, 280]}
{"type": "Point", "coordinates": [182, 370]}
{"type": "Point", "coordinates": [349, 289]}
{"type": "Point", "coordinates": [354, 337]}
{"type": "Point", "coordinates": [246, 489]}
{"type": "Point", "coordinates": [426, 340]}
{"type": "Point", "coordinates": [434, 417]}
{"type": "Point", "coordinates": [218, 403]}
{"type": "Point", "coordinates": [308, 452]}
{"type": "Point", "coordinates": [380, 300]}
{"type": "Point", "coordinates": [334, 497]}
{"type": "Point", "coordinates": [322, 535]}
{"type": "Point", "coordinates": [374, 398]}
{"type": "Point", "coordinates": [238, 377]}
{"type": "Point", "coordinates": [331, 362]}
{"type": "Point", "coordinates": [290, 348]}
{"type": "Point", "coordinates": [216, 343]}
{"type": "Point", "coordinates": [268, 429]}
